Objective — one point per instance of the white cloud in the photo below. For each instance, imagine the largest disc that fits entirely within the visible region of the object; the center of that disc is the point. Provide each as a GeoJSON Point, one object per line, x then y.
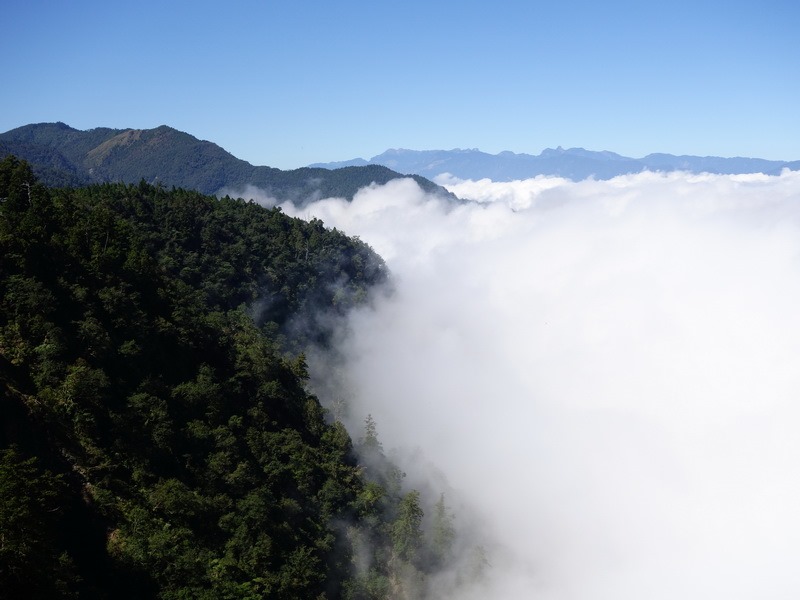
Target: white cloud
{"type": "Point", "coordinates": [607, 371]}
{"type": "Point", "coordinates": [249, 192]}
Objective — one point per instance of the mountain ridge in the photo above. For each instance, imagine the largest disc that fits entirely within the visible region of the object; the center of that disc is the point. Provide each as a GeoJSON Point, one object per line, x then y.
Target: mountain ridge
{"type": "Point", "coordinates": [62, 156]}
{"type": "Point", "coordinates": [572, 163]}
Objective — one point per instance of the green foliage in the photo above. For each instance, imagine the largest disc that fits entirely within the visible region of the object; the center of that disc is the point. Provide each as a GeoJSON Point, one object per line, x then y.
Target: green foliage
{"type": "Point", "coordinates": [398, 548]}
{"type": "Point", "coordinates": [33, 562]}
{"type": "Point", "coordinates": [407, 528]}
{"type": "Point", "coordinates": [152, 374]}
{"type": "Point", "coordinates": [370, 444]}
{"type": "Point", "coordinates": [128, 342]}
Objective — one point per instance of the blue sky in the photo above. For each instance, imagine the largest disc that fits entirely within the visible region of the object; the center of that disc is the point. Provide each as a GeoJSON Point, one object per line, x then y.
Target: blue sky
{"type": "Point", "coordinates": [287, 84]}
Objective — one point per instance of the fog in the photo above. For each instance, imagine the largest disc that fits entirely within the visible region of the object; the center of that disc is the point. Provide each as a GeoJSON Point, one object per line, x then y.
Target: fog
{"type": "Point", "coordinates": [606, 373]}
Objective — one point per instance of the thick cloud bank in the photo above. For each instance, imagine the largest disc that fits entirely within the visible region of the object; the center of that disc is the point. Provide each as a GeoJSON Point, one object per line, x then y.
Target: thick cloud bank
{"type": "Point", "coordinates": [608, 373]}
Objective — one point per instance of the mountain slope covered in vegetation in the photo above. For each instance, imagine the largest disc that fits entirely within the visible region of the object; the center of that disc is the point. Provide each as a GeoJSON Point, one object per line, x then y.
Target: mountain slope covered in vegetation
{"type": "Point", "coordinates": [157, 438]}
{"type": "Point", "coordinates": [63, 156]}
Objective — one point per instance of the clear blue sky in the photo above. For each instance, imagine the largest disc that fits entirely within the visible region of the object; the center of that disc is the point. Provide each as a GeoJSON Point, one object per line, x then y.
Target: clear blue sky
{"type": "Point", "coordinates": [290, 83]}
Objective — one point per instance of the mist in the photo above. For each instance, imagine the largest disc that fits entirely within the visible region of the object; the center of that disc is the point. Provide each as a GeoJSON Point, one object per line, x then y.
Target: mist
{"type": "Point", "coordinates": [606, 373]}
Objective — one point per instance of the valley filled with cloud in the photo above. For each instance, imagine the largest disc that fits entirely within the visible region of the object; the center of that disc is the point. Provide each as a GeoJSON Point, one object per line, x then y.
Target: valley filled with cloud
{"type": "Point", "coordinates": [604, 372]}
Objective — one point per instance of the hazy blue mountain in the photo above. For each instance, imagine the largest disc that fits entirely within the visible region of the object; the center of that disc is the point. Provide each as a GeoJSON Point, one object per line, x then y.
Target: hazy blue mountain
{"type": "Point", "coordinates": [572, 163]}
{"type": "Point", "coordinates": [63, 156]}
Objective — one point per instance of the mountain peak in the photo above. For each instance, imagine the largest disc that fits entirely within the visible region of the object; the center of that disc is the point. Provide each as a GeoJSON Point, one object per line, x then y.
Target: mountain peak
{"type": "Point", "coordinates": [63, 156]}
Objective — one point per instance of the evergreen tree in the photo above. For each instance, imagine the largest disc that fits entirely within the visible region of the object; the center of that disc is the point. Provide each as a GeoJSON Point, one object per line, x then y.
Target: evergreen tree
{"type": "Point", "coordinates": [442, 533]}
{"type": "Point", "coordinates": [406, 530]}
{"type": "Point", "coordinates": [33, 562]}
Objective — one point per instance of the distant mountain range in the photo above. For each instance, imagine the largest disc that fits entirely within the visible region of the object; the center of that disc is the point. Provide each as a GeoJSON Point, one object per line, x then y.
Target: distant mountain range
{"type": "Point", "coordinates": [63, 156]}
{"type": "Point", "coordinates": [573, 163]}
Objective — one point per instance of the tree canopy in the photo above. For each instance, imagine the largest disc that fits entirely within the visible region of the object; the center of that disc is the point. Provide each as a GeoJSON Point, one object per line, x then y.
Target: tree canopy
{"type": "Point", "coordinates": [157, 438]}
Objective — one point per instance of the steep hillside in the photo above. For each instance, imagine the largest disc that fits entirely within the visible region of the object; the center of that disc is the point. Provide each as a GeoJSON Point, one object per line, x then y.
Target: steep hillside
{"type": "Point", "coordinates": [157, 439]}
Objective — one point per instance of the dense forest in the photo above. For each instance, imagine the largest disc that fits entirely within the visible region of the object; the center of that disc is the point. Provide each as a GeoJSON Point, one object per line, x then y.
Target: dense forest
{"type": "Point", "coordinates": [157, 436]}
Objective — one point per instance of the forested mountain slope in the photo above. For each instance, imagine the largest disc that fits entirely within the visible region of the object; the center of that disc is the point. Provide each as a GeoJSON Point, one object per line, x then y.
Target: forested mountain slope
{"type": "Point", "coordinates": [63, 156]}
{"type": "Point", "coordinates": [157, 439]}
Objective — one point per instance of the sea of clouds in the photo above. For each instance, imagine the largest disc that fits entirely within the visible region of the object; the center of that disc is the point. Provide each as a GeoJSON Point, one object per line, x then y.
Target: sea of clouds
{"type": "Point", "coordinates": [606, 372]}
